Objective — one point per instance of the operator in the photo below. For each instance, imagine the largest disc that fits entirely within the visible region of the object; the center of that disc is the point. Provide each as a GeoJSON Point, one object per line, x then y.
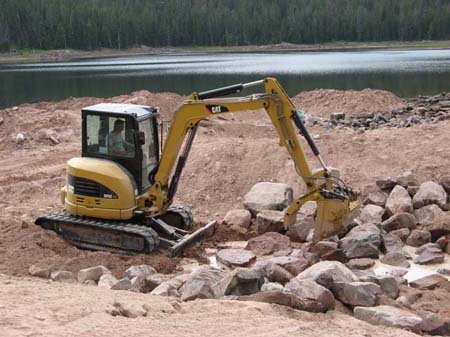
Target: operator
{"type": "Point", "coordinates": [117, 145]}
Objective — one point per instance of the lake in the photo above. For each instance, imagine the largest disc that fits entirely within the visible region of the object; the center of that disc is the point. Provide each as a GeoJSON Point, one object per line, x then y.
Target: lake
{"type": "Point", "coordinates": [407, 73]}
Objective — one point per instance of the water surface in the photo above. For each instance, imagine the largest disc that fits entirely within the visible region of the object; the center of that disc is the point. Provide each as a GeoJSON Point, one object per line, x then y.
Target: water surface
{"type": "Point", "coordinates": [406, 73]}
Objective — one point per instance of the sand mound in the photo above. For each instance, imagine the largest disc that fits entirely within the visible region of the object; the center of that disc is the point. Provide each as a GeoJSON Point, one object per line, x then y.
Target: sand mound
{"type": "Point", "coordinates": [323, 102]}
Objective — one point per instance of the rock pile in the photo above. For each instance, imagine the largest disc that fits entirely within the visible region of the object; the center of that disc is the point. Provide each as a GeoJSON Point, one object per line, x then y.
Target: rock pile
{"type": "Point", "coordinates": [282, 266]}
{"type": "Point", "coordinates": [418, 110]}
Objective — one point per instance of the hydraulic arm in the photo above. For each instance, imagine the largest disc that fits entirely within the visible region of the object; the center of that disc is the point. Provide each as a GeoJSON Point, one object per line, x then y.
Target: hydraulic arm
{"type": "Point", "coordinates": [334, 200]}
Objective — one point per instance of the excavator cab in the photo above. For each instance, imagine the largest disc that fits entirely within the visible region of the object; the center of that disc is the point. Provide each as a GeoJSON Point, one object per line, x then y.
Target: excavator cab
{"type": "Point", "coordinates": [126, 134]}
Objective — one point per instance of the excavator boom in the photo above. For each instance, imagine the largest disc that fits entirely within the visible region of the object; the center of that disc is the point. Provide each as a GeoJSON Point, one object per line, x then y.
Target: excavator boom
{"type": "Point", "coordinates": [335, 201]}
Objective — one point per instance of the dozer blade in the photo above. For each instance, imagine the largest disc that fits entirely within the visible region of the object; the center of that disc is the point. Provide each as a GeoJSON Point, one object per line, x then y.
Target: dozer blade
{"type": "Point", "coordinates": [333, 216]}
{"type": "Point", "coordinates": [189, 239]}
{"type": "Point", "coordinates": [97, 234]}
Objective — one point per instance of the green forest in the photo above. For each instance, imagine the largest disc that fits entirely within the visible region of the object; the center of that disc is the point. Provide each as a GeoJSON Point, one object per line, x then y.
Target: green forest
{"type": "Point", "coordinates": [94, 24]}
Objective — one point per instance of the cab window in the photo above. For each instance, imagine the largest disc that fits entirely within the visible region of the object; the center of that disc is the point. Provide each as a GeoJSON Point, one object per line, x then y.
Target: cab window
{"type": "Point", "coordinates": [110, 136]}
{"type": "Point", "coordinates": [149, 161]}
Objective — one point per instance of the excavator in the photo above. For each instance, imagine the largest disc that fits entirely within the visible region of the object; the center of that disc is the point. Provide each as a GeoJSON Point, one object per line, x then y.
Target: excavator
{"type": "Point", "coordinates": [119, 193]}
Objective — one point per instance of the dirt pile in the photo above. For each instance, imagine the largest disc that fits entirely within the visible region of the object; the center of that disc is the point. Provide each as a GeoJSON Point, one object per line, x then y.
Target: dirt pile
{"type": "Point", "coordinates": [324, 102]}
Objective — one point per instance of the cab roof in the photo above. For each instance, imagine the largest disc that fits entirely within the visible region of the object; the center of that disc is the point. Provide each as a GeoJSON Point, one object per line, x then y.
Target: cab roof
{"type": "Point", "coordinates": [135, 110]}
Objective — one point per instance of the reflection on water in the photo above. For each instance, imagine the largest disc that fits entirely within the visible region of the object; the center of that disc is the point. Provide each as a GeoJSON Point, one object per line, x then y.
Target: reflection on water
{"type": "Point", "coordinates": [406, 73]}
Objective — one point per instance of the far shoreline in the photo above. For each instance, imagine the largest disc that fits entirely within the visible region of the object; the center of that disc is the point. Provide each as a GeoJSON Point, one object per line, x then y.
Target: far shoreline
{"type": "Point", "coordinates": [25, 56]}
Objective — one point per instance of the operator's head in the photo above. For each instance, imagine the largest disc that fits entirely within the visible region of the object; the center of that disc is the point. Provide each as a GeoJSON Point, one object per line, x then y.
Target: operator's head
{"type": "Point", "coordinates": [118, 125]}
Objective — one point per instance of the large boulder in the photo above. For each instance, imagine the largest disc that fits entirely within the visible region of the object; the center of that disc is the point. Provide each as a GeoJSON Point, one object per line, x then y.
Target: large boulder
{"type": "Point", "coordinates": [429, 282]}
{"type": "Point", "coordinates": [445, 182]}
{"type": "Point", "coordinates": [313, 294]}
{"type": "Point", "coordinates": [360, 264]}
{"type": "Point", "coordinates": [304, 224]}
{"type": "Point", "coordinates": [386, 183]}
{"type": "Point", "coordinates": [399, 221]}
{"type": "Point", "coordinates": [293, 264]}
{"type": "Point", "coordinates": [377, 198]}
{"type": "Point", "coordinates": [402, 233]}
{"type": "Point", "coordinates": [430, 193]}
{"type": "Point", "coordinates": [265, 195]}
{"type": "Point", "coordinates": [202, 283]}
{"type": "Point", "coordinates": [140, 270]}
{"type": "Point", "coordinates": [93, 273]}
{"type": "Point", "coordinates": [171, 287]}
{"type": "Point", "coordinates": [388, 316]}
{"type": "Point", "coordinates": [62, 276]}
{"type": "Point", "coordinates": [428, 254]}
{"type": "Point", "coordinates": [238, 218]}
{"type": "Point", "coordinates": [427, 214]}
{"type": "Point", "coordinates": [440, 226]}
{"type": "Point", "coordinates": [392, 243]}
{"type": "Point", "coordinates": [418, 238]}
{"type": "Point", "coordinates": [276, 273]}
{"type": "Point", "coordinates": [357, 293]}
{"type": "Point", "coordinates": [269, 221]}
{"type": "Point", "coordinates": [269, 243]}
{"type": "Point", "coordinates": [235, 257]}
{"type": "Point", "coordinates": [371, 214]}
{"type": "Point", "coordinates": [240, 281]}
{"type": "Point", "coordinates": [397, 259]}
{"type": "Point", "coordinates": [399, 201]}
{"type": "Point", "coordinates": [327, 273]}
{"type": "Point", "coordinates": [362, 241]}
{"type": "Point", "coordinates": [107, 281]}
{"type": "Point", "coordinates": [407, 179]}
{"type": "Point", "coordinates": [388, 284]}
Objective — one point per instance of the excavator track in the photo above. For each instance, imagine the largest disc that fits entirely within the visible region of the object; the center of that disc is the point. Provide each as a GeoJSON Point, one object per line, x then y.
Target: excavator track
{"type": "Point", "coordinates": [180, 217]}
{"type": "Point", "coordinates": [97, 234]}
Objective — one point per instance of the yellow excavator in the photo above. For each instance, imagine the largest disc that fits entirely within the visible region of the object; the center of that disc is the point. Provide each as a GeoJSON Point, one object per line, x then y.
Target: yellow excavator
{"type": "Point", "coordinates": [119, 193]}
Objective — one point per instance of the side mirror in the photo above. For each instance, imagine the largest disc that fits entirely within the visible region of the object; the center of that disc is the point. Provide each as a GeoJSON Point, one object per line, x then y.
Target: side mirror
{"type": "Point", "coordinates": [141, 137]}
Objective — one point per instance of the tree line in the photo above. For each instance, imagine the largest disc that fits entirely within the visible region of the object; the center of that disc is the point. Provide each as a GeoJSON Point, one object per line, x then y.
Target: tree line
{"type": "Point", "coordinates": [93, 24]}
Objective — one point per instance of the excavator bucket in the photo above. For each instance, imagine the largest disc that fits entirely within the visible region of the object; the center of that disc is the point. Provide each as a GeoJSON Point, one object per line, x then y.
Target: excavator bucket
{"type": "Point", "coordinates": [333, 216]}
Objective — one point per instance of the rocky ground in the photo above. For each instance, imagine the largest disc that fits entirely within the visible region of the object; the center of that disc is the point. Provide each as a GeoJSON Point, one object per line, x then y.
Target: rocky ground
{"type": "Point", "coordinates": [399, 237]}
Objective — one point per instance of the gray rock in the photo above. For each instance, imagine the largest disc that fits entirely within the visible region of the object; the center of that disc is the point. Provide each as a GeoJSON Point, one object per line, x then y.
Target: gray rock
{"type": "Point", "coordinates": [388, 284]}
{"type": "Point", "coordinates": [154, 280]}
{"type": "Point", "coordinates": [401, 233]}
{"type": "Point", "coordinates": [398, 221]}
{"type": "Point", "coordinates": [63, 276]}
{"type": "Point", "coordinates": [122, 284]}
{"type": "Point", "coordinates": [362, 241]}
{"type": "Point", "coordinates": [440, 226]}
{"type": "Point", "coordinates": [240, 218]}
{"type": "Point", "coordinates": [276, 273]}
{"type": "Point", "coordinates": [386, 183]}
{"type": "Point", "coordinates": [171, 287]}
{"type": "Point", "coordinates": [418, 238]}
{"type": "Point", "coordinates": [236, 257]}
{"type": "Point", "coordinates": [268, 196]}
{"type": "Point", "coordinates": [443, 271]}
{"type": "Point", "coordinates": [269, 243]}
{"type": "Point", "coordinates": [304, 223]}
{"type": "Point", "coordinates": [429, 253]}
{"type": "Point", "coordinates": [445, 182]}
{"type": "Point", "coordinates": [430, 193]}
{"type": "Point", "coordinates": [376, 198]}
{"type": "Point", "coordinates": [140, 270]}
{"type": "Point", "coordinates": [107, 281]}
{"type": "Point", "coordinates": [39, 271]}
{"type": "Point", "coordinates": [316, 297]}
{"type": "Point", "coordinates": [202, 283]}
{"type": "Point", "coordinates": [427, 214]}
{"type": "Point", "coordinates": [327, 273]}
{"type": "Point", "coordinates": [271, 286]}
{"type": "Point", "coordinates": [362, 263]}
{"type": "Point", "coordinates": [323, 247]}
{"type": "Point", "coordinates": [240, 282]}
{"type": "Point", "coordinates": [357, 293]}
{"type": "Point", "coordinates": [392, 243]}
{"type": "Point", "coordinates": [407, 179]}
{"type": "Point", "coordinates": [20, 138]}
{"type": "Point", "coordinates": [432, 324]}
{"type": "Point", "coordinates": [371, 214]}
{"type": "Point", "coordinates": [429, 282]}
{"type": "Point", "coordinates": [388, 316]}
{"type": "Point", "coordinates": [269, 221]}
{"type": "Point", "coordinates": [399, 201]}
{"type": "Point", "coordinates": [412, 190]}
{"type": "Point", "coordinates": [93, 273]}
{"type": "Point", "coordinates": [396, 259]}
